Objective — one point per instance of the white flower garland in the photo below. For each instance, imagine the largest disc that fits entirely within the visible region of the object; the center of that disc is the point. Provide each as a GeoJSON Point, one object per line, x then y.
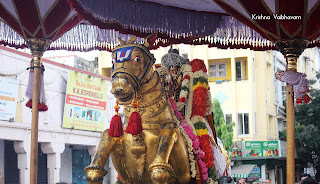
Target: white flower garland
{"type": "Point", "coordinates": [185, 82]}
{"type": "Point", "coordinates": [186, 70]}
{"type": "Point", "coordinates": [184, 94]}
{"type": "Point", "coordinates": [192, 161]}
{"type": "Point", "coordinates": [197, 118]}
{"type": "Point", "coordinates": [209, 103]}
{"type": "Point", "coordinates": [199, 73]}
{"type": "Point", "coordinates": [210, 181]}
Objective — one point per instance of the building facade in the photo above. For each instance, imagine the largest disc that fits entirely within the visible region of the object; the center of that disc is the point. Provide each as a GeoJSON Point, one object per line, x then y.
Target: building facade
{"type": "Point", "coordinates": [77, 62]}
{"type": "Point", "coordinates": [245, 84]}
{"type": "Point", "coordinates": [63, 152]}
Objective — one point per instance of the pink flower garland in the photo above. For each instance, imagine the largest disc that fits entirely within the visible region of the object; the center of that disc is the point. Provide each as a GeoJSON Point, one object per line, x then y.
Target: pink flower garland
{"type": "Point", "coordinates": [195, 141]}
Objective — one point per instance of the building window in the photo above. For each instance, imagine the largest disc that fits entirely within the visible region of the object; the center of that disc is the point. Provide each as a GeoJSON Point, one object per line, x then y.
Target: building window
{"type": "Point", "coordinates": [241, 69]}
{"type": "Point", "coordinates": [284, 93]}
{"type": "Point", "coordinates": [243, 123]}
{"type": "Point", "coordinates": [218, 70]}
{"type": "Point", "coordinates": [228, 119]}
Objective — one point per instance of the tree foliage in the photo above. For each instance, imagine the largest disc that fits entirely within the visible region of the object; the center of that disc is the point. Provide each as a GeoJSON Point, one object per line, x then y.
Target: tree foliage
{"type": "Point", "coordinates": [224, 132]}
{"type": "Point", "coordinates": [307, 128]}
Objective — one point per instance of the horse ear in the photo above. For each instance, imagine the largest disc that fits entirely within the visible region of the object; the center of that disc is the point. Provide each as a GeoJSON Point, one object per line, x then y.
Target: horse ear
{"type": "Point", "coordinates": [121, 41]}
{"type": "Point", "coordinates": [132, 39]}
{"type": "Point", "coordinates": [150, 39]}
{"type": "Point", "coordinates": [170, 50]}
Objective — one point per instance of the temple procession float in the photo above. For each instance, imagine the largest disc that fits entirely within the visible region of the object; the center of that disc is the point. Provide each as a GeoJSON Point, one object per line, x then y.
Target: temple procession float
{"type": "Point", "coordinates": [169, 134]}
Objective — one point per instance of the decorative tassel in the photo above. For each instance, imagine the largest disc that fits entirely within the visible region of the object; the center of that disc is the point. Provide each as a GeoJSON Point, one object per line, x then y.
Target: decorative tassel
{"type": "Point", "coordinates": [29, 104]}
{"type": "Point", "coordinates": [116, 129]}
{"type": "Point", "coordinates": [29, 92]}
{"type": "Point", "coordinates": [134, 125]}
{"type": "Point", "coordinates": [298, 100]}
{"type": "Point", "coordinates": [29, 89]}
{"type": "Point", "coordinates": [42, 105]}
{"type": "Point", "coordinates": [306, 98]}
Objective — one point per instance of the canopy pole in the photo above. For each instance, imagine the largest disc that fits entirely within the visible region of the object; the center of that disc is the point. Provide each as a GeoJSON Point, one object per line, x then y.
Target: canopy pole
{"type": "Point", "coordinates": [290, 133]}
{"type": "Point", "coordinates": [37, 47]}
{"type": "Point", "coordinates": [291, 49]}
{"type": "Point", "coordinates": [35, 118]}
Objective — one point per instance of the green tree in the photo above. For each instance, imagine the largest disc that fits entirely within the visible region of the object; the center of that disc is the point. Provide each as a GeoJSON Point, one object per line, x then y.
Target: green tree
{"type": "Point", "coordinates": [307, 128]}
{"type": "Point", "coordinates": [224, 131]}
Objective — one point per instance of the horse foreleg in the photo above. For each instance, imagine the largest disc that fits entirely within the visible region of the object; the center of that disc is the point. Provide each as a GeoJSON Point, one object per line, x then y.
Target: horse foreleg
{"type": "Point", "coordinates": [160, 169]}
{"type": "Point", "coordinates": [95, 171]}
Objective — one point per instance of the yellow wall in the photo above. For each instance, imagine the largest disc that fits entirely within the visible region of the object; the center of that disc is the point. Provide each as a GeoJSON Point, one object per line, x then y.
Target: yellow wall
{"type": "Point", "coordinates": [255, 95]}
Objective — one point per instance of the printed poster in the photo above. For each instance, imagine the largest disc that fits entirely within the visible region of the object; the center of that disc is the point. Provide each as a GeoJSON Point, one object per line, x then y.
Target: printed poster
{"type": "Point", "coordinates": [270, 149]}
{"type": "Point", "coordinates": [253, 149]}
{"type": "Point", "coordinates": [236, 150]}
{"type": "Point", "coordinates": [85, 104]}
{"type": "Point", "coordinates": [255, 173]}
{"type": "Point", "coordinates": [8, 98]}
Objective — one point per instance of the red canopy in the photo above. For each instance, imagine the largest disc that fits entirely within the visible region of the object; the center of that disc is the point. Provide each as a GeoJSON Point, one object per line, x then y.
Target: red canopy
{"type": "Point", "coordinates": [272, 19]}
{"type": "Point", "coordinates": [39, 19]}
{"type": "Point", "coordinates": [275, 20]}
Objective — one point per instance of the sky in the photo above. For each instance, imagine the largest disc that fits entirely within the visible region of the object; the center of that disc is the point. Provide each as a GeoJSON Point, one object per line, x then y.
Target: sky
{"type": "Point", "coordinates": [90, 56]}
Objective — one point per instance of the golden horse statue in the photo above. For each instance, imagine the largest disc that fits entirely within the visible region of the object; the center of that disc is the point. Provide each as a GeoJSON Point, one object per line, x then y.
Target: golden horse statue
{"type": "Point", "coordinates": [159, 153]}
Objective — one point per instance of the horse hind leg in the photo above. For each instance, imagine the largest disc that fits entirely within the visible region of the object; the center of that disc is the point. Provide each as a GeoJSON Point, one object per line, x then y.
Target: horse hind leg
{"type": "Point", "coordinates": [160, 169]}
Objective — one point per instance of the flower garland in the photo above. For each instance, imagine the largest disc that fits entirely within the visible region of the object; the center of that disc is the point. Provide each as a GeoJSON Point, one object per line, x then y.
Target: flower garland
{"type": "Point", "coordinates": [187, 71]}
{"type": "Point", "coordinates": [197, 109]}
{"type": "Point", "coordinates": [209, 103]}
{"type": "Point", "coordinates": [193, 143]}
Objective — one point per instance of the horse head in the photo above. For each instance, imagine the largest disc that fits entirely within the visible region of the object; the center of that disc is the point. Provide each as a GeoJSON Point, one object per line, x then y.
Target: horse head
{"type": "Point", "coordinates": [132, 67]}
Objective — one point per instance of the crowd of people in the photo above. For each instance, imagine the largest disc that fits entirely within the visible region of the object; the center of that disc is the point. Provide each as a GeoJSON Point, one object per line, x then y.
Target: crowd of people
{"type": "Point", "coordinates": [304, 179]}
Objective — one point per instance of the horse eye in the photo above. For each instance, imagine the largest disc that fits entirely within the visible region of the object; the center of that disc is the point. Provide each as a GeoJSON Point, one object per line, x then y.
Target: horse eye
{"type": "Point", "coordinates": [136, 59]}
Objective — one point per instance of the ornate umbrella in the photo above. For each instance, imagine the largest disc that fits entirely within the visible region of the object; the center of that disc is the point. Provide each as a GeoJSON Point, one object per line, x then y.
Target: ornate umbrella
{"type": "Point", "coordinates": [292, 25]}
{"type": "Point", "coordinates": [38, 23]}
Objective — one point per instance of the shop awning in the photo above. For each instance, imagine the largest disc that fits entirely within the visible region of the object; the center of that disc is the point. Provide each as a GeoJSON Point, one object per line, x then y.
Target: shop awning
{"type": "Point", "coordinates": [242, 171]}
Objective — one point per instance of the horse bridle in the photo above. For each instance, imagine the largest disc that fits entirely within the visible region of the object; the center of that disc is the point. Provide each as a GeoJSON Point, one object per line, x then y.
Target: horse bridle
{"type": "Point", "coordinates": [137, 81]}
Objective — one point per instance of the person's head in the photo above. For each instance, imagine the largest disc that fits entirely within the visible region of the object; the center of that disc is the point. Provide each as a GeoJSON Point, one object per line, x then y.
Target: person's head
{"type": "Point", "coordinates": [242, 181]}
{"type": "Point", "coordinates": [308, 180]}
{"type": "Point", "coordinates": [304, 176]}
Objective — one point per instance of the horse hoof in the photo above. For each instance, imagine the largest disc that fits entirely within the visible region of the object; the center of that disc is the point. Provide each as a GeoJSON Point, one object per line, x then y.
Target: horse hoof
{"type": "Point", "coordinates": [159, 176]}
